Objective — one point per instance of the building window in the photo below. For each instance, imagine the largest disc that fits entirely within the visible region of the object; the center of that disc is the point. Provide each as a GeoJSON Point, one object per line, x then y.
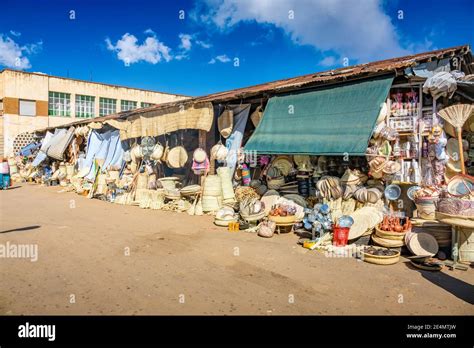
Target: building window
{"type": "Point", "coordinates": [59, 104]}
{"type": "Point", "coordinates": [126, 105]}
{"type": "Point", "coordinates": [107, 106]}
{"type": "Point", "coordinates": [27, 108]}
{"type": "Point", "coordinates": [1, 105]}
{"type": "Point", "coordinates": [146, 105]}
{"type": "Point", "coordinates": [85, 106]}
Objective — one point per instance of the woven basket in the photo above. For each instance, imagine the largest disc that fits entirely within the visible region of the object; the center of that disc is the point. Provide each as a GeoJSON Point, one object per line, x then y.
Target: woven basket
{"type": "Point", "coordinates": [388, 243]}
{"type": "Point", "coordinates": [142, 181]}
{"type": "Point", "coordinates": [389, 234]}
{"type": "Point", "coordinates": [177, 157]}
{"type": "Point", "coordinates": [380, 259]}
{"type": "Point", "coordinates": [226, 182]}
{"type": "Point", "coordinates": [275, 183]}
{"type": "Point", "coordinates": [168, 182]}
{"type": "Point", "coordinates": [283, 219]}
{"type": "Point", "coordinates": [426, 210]}
{"type": "Point", "coordinates": [212, 186]}
{"type": "Point", "coordinates": [157, 199]}
{"type": "Point", "coordinates": [211, 203]}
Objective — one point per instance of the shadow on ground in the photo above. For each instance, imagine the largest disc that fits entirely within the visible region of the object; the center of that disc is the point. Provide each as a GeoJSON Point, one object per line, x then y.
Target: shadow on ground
{"type": "Point", "coordinates": [21, 229]}
{"type": "Point", "coordinates": [458, 288]}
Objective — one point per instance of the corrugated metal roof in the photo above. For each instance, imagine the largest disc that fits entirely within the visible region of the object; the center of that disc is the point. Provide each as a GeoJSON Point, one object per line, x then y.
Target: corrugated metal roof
{"type": "Point", "coordinates": [304, 81]}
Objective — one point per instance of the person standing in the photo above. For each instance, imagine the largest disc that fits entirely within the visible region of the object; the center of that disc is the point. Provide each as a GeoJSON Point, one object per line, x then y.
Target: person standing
{"type": "Point", "coordinates": [4, 174]}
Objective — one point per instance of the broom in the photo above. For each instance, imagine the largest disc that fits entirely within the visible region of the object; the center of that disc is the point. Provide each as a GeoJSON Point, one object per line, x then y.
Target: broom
{"type": "Point", "coordinates": [457, 115]}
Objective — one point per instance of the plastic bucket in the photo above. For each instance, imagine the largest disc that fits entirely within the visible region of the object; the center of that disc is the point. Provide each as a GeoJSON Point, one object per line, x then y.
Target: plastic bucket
{"type": "Point", "coordinates": [341, 235]}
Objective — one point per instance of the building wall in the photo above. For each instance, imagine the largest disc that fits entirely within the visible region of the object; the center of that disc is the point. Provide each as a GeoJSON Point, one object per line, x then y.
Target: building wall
{"type": "Point", "coordinates": [16, 85]}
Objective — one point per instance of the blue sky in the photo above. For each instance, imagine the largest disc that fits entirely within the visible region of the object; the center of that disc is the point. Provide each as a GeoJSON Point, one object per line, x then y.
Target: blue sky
{"type": "Point", "coordinates": [146, 44]}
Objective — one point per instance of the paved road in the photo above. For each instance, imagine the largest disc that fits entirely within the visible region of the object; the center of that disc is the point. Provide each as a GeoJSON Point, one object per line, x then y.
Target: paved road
{"type": "Point", "coordinates": [100, 258]}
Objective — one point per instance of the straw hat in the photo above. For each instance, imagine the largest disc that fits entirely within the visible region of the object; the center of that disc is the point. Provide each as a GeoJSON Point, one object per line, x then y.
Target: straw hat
{"type": "Point", "coordinates": [177, 157]}
{"type": "Point", "coordinates": [225, 123]}
{"type": "Point", "coordinates": [376, 167]}
{"type": "Point", "coordinates": [219, 152]}
{"type": "Point", "coordinates": [350, 177]}
{"type": "Point", "coordinates": [385, 148]}
{"type": "Point", "coordinates": [136, 152]}
{"type": "Point", "coordinates": [157, 152]}
{"type": "Point", "coordinates": [303, 162]}
{"type": "Point", "coordinates": [199, 155]}
{"type": "Point", "coordinates": [283, 163]}
{"type": "Point", "coordinates": [391, 167]}
{"type": "Point", "coordinates": [373, 195]}
{"type": "Point", "coordinates": [461, 185]}
{"type": "Point", "coordinates": [423, 244]}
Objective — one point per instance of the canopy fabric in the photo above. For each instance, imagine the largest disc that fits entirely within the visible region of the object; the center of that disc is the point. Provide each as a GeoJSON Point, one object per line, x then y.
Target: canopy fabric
{"type": "Point", "coordinates": [333, 120]}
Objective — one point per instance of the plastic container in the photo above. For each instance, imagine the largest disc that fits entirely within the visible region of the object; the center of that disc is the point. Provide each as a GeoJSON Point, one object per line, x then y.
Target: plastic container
{"type": "Point", "coordinates": [341, 236]}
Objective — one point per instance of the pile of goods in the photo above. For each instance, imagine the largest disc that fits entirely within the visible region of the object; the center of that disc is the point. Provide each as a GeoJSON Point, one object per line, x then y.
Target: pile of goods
{"type": "Point", "coordinates": [282, 213]}
{"type": "Point", "coordinates": [317, 220]}
{"type": "Point", "coordinates": [391, 231]}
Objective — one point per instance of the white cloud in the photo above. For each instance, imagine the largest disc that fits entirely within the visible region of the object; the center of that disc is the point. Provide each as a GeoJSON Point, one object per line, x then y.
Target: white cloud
{"type": "Point", "coordinates": [149, 31]}
{"type": "Point", "coordinates": [203, 44]}
{"type": "Point", "coordinates": [130, 51]}
{"type": "Point", "coordinates": [12, 55]}
{"type": "Point", "coordinates": [221, 58]}
{"type": "Point", "coordinates": [186, 43]}
{"type": "Point", "coordinates": [15, 33]}
{"type": "Point", "coordinates": [359, 30]}
{"type": "Point", "coordinates": [328, 61]}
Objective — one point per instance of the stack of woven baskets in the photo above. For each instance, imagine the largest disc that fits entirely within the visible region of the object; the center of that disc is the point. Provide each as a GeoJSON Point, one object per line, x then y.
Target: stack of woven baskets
{"type": "Point", "coordinates": [228, 194]}
{"type": "Point", "coordinates": [212, 198]}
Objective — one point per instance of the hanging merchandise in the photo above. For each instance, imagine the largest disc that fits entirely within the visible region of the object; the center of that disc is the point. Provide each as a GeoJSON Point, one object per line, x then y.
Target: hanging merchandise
{"type": "Point", "coordinates": [157, 152]}
{"type": "Point", "coordinates": [177, 156]}
{"type": "Point", "coordinates": [245, 175]}
{"type": "Point", "coordinates": [219, 152]}
{"type": "Point", "coordinates": [200, 162]}
{"type": "Point", "coordinates": [166, 151]}
{"type": "Point", "coordinates": [225, 123]}
{"type": "Point", "coordinates": [147, 146]}
{"type": "Point", "coordinates": [257, 115]}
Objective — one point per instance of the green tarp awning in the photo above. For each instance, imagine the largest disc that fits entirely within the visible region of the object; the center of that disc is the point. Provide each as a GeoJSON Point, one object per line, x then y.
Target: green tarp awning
{"type": "Point", "coordinates": [329, 121]}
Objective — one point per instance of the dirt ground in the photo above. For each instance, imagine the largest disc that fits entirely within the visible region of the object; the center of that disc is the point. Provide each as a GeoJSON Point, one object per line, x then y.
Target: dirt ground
{"type": "Point", "coordinates": [181, 264]}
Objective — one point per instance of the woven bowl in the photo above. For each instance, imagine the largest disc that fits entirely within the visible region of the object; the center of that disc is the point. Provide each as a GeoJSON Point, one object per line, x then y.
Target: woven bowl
{"type": "Point", "coordinates": [283, 219]}
{"type": "Point", "coordinates": [380, 259]}
{"type": "Point", "coordinates": [388, 243]}
{"type": "Point", "coordinates": [389, 234]}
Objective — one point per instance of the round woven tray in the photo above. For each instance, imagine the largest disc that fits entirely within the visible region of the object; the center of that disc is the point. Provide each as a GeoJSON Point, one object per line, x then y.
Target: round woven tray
{"type": "Point", "coordinates": [389, 234]}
